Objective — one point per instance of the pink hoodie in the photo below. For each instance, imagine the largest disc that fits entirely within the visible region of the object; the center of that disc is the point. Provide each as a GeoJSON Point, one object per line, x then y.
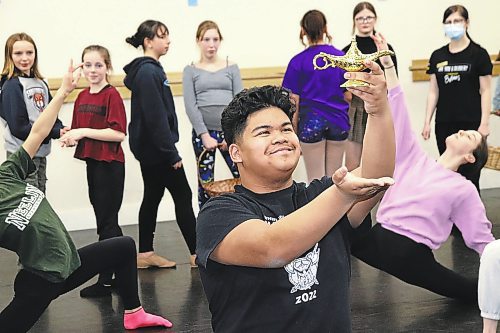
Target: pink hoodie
{"type": "Point", "coordinates": [427, 199]}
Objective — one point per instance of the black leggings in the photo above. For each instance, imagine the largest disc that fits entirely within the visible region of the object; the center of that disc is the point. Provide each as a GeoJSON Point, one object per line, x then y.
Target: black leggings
{"type": "Point", "coordinates": [33, 294]}
{"type": "Point", "coordinates": [106, 181]}
{"type": "Point", "coordinates": [413, 263]}
{"type": "Point", "coordinates": [156, 178]}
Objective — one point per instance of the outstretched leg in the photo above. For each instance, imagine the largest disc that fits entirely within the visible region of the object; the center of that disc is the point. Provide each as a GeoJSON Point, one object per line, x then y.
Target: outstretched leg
{"type": "Point", "coordinates": [118, 254]}
{"type": "Point", "coordinates": [413, 263]}
{"type": "Point", "coordinates": [33, 293]}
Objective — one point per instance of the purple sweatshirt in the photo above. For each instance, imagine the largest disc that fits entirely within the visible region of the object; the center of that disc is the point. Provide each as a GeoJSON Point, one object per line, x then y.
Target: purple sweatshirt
{"type": "Point", "coordinates": [427, 199]}
{"type": "Point", "coordinates": [319, 90]}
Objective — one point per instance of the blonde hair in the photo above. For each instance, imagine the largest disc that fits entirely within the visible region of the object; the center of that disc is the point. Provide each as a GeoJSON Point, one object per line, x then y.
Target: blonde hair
{"type": "Point", "coordinates": [9, 69]}
{"type": "Point", "coordinates": [204, 27]}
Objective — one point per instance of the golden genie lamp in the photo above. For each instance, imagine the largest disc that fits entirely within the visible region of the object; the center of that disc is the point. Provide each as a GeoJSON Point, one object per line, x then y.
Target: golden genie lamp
{"type": "Point", "coordinates": [352, 61]}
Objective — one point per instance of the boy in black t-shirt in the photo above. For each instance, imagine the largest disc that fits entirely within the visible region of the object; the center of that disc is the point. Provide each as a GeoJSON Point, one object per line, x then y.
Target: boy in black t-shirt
{"type": "Point", "coordinates": [274, 256]}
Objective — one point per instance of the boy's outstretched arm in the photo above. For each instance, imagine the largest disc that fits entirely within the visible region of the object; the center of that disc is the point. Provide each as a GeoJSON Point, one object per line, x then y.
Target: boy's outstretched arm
{"type": "Point", "coordinates": [378, 156]}
{"type": "Point", "coordinates": [43, 125]}
{"type": "Point", "coordinates": [275, 245]}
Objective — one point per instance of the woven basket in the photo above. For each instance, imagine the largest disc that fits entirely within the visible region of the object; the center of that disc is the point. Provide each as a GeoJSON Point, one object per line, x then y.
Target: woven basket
{"type": "Point", "coordinates": [217, 187]}
{"type": "Point", "coordinates": [493, 158]}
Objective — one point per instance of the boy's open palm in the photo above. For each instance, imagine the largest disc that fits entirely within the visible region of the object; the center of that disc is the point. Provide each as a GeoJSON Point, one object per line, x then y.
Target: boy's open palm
{"type": "Point", "coordinates": [358, 188]}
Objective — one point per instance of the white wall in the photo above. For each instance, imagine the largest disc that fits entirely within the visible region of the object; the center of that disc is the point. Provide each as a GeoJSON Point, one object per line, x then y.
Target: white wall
{"type": "Point", "coordinates": [257, 33]}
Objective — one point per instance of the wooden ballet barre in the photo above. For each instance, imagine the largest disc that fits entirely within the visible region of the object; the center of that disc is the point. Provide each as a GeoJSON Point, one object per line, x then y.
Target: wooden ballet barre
{"type": "Point", "coordinates": [419, 67]}
{"type": "Point", "coordinates": [251, 77]}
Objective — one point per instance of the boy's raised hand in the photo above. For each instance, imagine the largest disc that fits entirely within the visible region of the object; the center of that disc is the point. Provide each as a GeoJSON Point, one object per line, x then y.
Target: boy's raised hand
{"type": "Point", "coordinates": [375, 94]}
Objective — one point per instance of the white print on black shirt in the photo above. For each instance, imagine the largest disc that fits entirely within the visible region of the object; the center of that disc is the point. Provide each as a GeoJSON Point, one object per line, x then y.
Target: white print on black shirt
{"type": "Point", "coordinates": [20, 217]}
{"type": "Point", "coordinates": [452, 72]}
{"type": "Point", "coordinates": [451, 77]}
{"type": "Point", "coordinates": [302, 274]}
{"type": "Point", "coordinates": [302, 271]}
{"type": "Point", "coordinates": [461, 68]}
{"type": "Point", "coordinates": [271, 220]}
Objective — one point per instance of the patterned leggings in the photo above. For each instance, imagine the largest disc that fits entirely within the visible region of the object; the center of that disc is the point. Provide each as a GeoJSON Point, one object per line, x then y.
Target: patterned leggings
{"type": "Point", "coordinates": [206, 167]}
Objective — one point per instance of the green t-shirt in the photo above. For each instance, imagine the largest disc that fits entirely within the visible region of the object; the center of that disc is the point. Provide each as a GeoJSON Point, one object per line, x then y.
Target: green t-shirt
{"type": "Point", "coordinates": [30, 227]}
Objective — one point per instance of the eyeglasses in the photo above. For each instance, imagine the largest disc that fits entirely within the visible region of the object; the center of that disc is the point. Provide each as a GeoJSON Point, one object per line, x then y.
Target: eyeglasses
{"type": "Point", "coordinates": [456, 21]}
{"type": "Point", "coordinates": [367, 19]}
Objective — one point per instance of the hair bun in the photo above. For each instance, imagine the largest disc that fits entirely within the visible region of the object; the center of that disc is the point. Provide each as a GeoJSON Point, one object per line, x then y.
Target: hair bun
{"type": "Point", "coordinates": [133, 41]}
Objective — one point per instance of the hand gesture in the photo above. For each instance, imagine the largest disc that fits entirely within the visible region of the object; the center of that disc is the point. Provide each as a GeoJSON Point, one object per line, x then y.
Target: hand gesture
{"type": "Point", "coordinates": [72, 137]}
{"type": "Point", "coordinates": [358, 189]}
{"type": "Point", "coordinates": [67, 142]}
{"type": "Point", "coordinates": [70, 79]}
{"type": "Point", "coordinates": [381, 44]}
{"type": "Point", "coordinates": [375, 94]}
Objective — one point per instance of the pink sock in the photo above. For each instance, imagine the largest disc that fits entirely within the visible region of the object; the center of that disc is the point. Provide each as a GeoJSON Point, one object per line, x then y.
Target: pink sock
{"type": "Point", "coordinates": [141, 318]}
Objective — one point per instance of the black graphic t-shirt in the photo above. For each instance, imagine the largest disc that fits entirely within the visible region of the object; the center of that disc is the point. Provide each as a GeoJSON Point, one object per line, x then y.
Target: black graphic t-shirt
{"type": "Point", "coordinates": [310, 294]}
{"type": "Point", "coordinates": [457, 76]}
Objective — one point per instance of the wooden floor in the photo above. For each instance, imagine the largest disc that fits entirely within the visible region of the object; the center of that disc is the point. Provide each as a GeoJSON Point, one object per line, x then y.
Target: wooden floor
{"type": "Point", "coordinates": [380, 303]}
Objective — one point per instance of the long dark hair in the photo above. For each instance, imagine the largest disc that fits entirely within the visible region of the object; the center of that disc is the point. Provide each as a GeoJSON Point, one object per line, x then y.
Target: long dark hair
{"type": "Point", "coordinates": [480, 154]}
{"type": "Point", "coordinates": [147, 29]}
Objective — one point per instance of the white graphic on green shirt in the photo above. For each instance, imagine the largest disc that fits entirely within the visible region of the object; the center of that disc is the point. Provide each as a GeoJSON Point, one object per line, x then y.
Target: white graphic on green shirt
{"type": "Point", "coordinates": [302, 271]}
{"type": "Point", "coordinates": [20, 217]}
